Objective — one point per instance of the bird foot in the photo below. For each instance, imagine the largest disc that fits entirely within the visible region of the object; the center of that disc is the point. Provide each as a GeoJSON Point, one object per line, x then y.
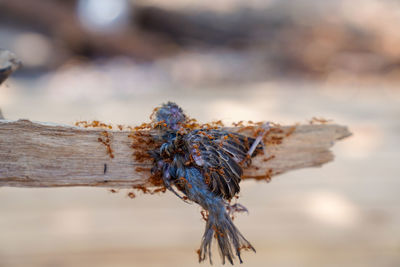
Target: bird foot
{"type": "Point", "coordinates": [237, 207]}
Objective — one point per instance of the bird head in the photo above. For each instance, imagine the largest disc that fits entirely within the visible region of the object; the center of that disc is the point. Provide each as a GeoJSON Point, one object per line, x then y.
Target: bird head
{"type": "Point", "coordinates": [170, 114]}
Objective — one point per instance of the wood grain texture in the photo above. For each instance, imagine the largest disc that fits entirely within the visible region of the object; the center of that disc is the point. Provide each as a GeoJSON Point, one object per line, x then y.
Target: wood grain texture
{"type": "Point", "coordinates": [49, 155]}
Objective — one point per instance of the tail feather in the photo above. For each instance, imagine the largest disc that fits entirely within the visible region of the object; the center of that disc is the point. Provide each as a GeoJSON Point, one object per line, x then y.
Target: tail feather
{"type": "Point", "coordinates": [229, 239]}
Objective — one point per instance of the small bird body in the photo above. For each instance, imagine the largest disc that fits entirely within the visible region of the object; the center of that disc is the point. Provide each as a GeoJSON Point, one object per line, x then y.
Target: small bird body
{"type": "Point", "coordinates": [206, 166]}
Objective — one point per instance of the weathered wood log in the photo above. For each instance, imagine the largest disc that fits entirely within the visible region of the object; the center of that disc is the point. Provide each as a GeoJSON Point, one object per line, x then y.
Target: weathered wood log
{"type": "Point", "coordinates": [50, 155]}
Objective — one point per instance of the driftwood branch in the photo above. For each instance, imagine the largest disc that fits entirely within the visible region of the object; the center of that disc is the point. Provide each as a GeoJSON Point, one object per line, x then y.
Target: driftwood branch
{"type": "Point", "coordinates": [50, 155]}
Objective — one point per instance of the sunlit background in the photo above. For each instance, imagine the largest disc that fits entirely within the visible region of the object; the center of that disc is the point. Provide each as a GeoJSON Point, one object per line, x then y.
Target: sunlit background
{"type": "Point", "coordinates": [278, 60]}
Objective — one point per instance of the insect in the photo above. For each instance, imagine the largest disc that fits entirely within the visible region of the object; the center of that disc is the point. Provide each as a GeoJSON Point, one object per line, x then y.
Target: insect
{"type": "Point", "coordinates": [206, 165]}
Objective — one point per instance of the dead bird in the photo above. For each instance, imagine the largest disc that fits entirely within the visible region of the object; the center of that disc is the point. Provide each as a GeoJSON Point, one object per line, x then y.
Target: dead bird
{"type": "Point", "coordinates": [205, 164]}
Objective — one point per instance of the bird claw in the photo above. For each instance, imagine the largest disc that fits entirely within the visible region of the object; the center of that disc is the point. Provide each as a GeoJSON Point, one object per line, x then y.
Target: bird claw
{"type": "Point", "coordinates": [176, 193]}
{"type": "Point", "coordinates": [237, 207]}
{"type": "Point", "coordinates": [170, 188]}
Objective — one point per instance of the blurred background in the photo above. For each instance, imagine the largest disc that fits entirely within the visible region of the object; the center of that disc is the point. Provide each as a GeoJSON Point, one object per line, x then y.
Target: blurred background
{"type": "Point", "coordinates": [278, 60]}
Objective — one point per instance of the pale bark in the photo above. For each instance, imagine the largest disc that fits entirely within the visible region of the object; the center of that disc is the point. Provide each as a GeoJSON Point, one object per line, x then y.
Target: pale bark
{"type": "Point", "coordinates": [50, 155]}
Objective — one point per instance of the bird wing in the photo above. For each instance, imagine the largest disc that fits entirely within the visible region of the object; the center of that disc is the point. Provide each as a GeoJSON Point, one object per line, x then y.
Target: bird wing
{"type": "Point", "coordinates": [219, 154]}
